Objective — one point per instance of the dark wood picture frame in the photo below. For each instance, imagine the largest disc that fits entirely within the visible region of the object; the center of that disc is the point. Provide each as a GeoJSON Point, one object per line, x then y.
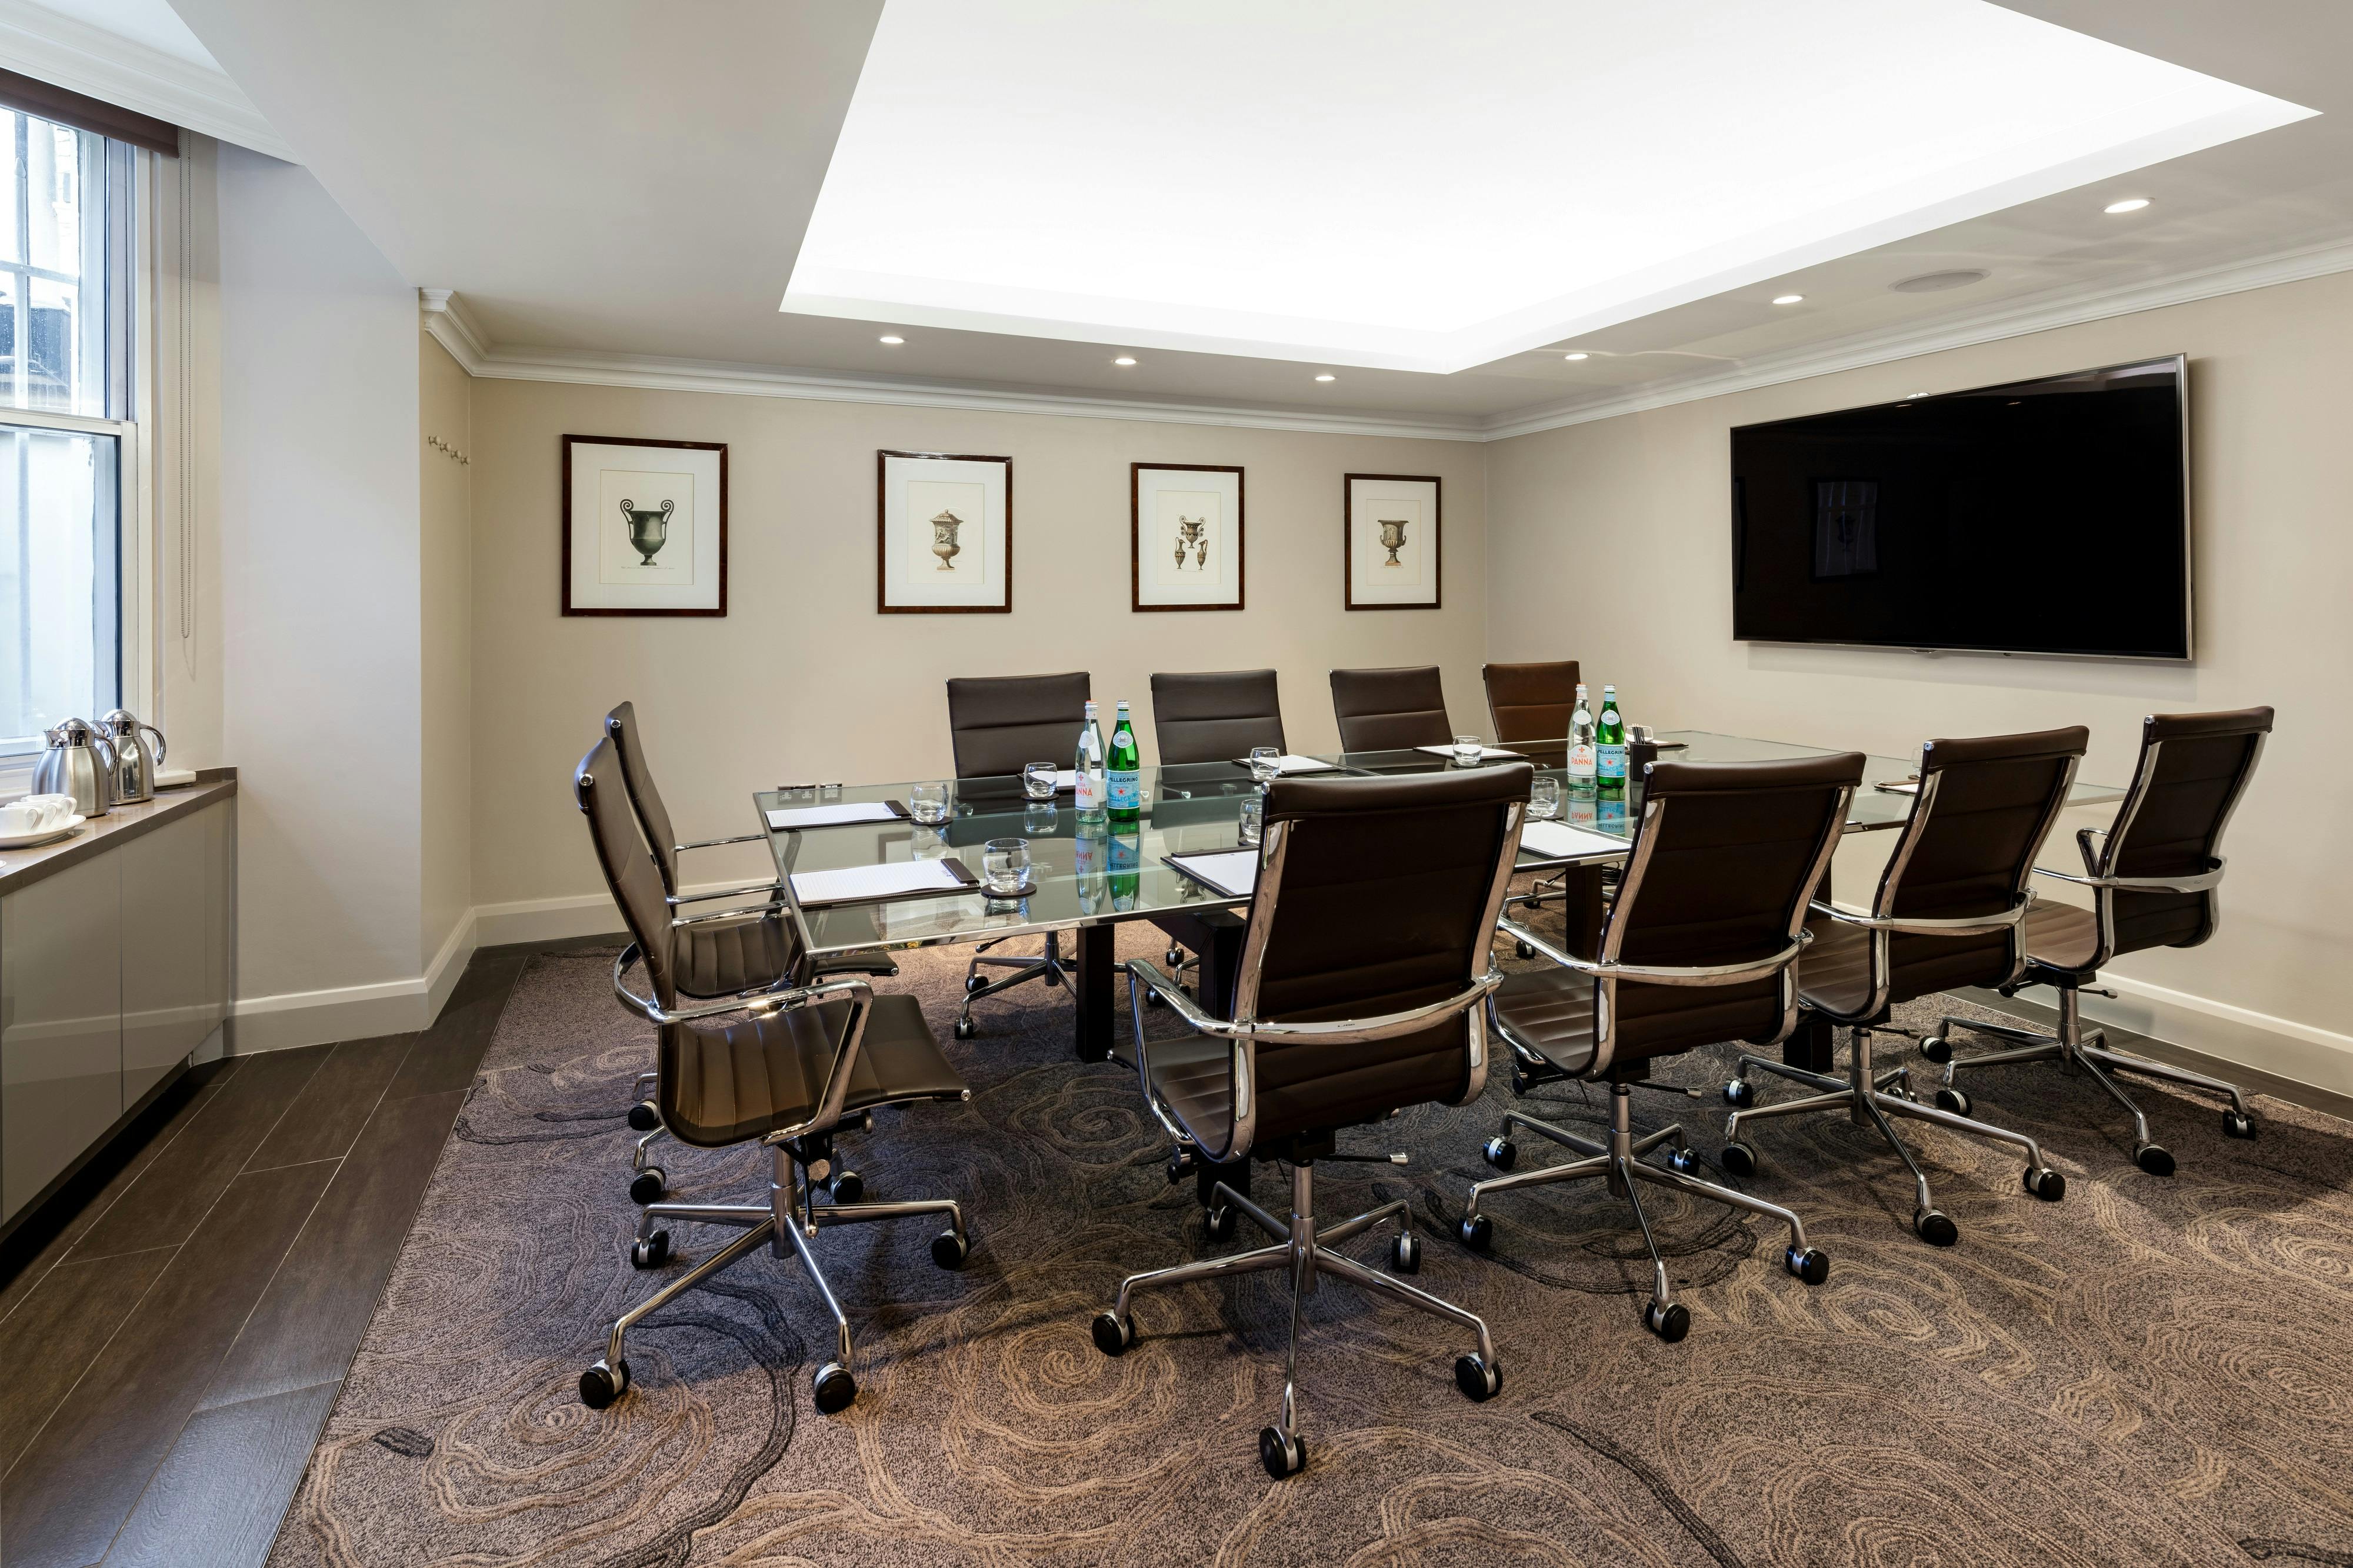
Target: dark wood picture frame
{"type": "Point", "coordinates": [564, 570]}
{"type": "Point", "coordinates": [1136, 537]}
{"type": "Point", "coordinates": [1436, 540]}
{"type": "Point", "coordinates": [883, 457]}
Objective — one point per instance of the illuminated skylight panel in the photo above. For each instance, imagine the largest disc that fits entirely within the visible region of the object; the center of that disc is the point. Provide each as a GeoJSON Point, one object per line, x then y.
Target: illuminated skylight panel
{"type": "Point", "coordinates": [1422, 185]}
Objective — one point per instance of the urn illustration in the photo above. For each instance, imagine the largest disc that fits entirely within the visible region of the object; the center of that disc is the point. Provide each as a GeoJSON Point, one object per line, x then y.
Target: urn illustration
{"type": "Point", "coordinates": [943, 540]}
{"type": "Point", "coordinates": [1392, 538]}
{"type": "Point", "coordinates": [1191, 533]}
{"type": "Point", "coordinates": [649, 530]}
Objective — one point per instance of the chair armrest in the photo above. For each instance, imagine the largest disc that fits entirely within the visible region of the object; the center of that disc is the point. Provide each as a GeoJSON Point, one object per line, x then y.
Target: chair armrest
{"type": "Point", "coordinates": [782, 995]}
{"type": "Point", "coordinates": [2203, 881]}
{"type": "Point", "coordinates": [675, 900]}
{"type": "Point", "coordinates": [1242, 1061]}
{"type": "Point", "coordinates": [714, 843]}
{"type": "Point", "coordinates": [1661, 975]}
{"type": "Point", "coordinates": [2083, 836]}
{"type": "Point", "coordinates": [1965, 925]}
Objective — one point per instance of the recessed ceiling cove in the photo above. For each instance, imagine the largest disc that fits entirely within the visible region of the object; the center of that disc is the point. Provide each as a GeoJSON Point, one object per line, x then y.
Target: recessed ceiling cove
{"type": "Point", "coordinates": [1421, 184]}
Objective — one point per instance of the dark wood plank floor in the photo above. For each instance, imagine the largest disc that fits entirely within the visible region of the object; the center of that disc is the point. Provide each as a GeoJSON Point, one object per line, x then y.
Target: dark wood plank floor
{"type": "Point", "coordinates": [177, 1321]}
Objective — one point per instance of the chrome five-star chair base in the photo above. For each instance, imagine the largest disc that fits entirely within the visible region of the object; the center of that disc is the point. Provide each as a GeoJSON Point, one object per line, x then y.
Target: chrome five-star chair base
{"type": "Point", "coordinates": [1304, 1253]}
{"type": "Point", "coordinates": [1619, 1163]}
{"type": "Point", "coordinates": [1864, 1096]}
{"type": "Point", "coordinates": [1046, 966]}
{"type": "Point", "coordinates": [2068, 1045]}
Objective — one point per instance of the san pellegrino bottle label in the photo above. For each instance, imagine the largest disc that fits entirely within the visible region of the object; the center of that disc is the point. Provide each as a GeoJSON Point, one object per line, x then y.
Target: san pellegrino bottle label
{"type": "Point", "coordinates": [1093, 789]}
{"type": "Point", "coordinates": [1582, 759]}
{"type": "Point", "coordinates": [1124, 772]}
{"type": "Point", "coordinates": [1610, 739]}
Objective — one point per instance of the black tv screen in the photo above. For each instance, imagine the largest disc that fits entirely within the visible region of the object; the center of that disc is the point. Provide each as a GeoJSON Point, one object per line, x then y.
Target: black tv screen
{"type": "Point", "coordinates": [2047, 516]}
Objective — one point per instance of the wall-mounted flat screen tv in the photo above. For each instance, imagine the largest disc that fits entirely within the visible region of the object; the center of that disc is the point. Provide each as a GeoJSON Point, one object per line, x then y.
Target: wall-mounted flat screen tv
{"type": "Point", "coordinates": [2046, 516]}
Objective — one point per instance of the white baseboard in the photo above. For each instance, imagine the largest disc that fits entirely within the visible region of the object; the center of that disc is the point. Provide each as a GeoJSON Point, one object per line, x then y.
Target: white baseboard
{"type": "Point", "coordinates": [549, 919]}
{"type": "Point", "coordinates": [293, 1018]}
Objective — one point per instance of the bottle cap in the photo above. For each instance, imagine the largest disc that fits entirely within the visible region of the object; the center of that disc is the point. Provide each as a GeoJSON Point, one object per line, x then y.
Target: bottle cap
{"type": "Point", "coordinates": [1090, 707]}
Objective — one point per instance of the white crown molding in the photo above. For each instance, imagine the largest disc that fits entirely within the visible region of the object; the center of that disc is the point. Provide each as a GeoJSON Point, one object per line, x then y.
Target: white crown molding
{"type": "Point", "coordinates": [445, 318]}
{"type": "Point", "coordinates": [38, 42]}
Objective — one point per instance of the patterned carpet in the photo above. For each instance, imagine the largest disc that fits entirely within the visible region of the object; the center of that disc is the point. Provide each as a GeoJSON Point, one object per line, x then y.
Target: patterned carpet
{"type": "Point", "coordinates": [2155, 1371]}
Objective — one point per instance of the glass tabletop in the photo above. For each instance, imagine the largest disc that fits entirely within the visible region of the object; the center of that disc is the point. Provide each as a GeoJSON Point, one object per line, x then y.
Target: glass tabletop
{"type": "Point", "coordinates": [1107, 873]}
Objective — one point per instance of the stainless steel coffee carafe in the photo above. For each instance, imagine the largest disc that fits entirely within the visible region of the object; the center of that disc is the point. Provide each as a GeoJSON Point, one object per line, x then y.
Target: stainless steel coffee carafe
{"type": "Point", "coordinates": [135, 761]}
{"type": "Point", "coordinates": [79, 762]}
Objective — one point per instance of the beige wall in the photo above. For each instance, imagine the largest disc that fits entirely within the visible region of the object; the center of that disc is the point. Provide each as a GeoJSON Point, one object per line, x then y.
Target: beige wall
{"type": "Point", "coordinates": [803, 680]}
{"type": "Point", "coordinates": [1608, 542]}
{"type": "Point", "coordinates": [446, 783]}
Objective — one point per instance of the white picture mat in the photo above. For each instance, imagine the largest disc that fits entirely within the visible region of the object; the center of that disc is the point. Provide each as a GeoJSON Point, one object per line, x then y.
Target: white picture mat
{"type": "Point", "coordinates": [1560, 841]}
{"type": "Point", "coordinates": [915, 491]}
{"type": "Point", "coordinates": [1414, 580]}
{"type": "Point", "coordinates": [830, 816]}
{"type": "Point", "coordinates": [600, 534]}
{"type": "Point", "coordinates": [1163, 496]}
{"type": "Point", "coordinates": [1233, 873]}
{"type": "Point", "coordinates": [898, 878]}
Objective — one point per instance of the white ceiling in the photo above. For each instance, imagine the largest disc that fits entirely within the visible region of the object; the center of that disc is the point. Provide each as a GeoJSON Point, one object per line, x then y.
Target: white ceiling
{"type": "Point", "coordinates": [601, 178]}
{"type": "Point", "coordinates": [136, 53]}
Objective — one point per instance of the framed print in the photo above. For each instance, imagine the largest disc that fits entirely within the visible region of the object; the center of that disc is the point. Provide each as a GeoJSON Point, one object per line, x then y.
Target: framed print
{"type": "Point", "coordinates": [942, 534]}
{"type": "Point", "coordinates": [1390, 547]}
{"type": "Point", "coordinates": [645, 527]}
{"type": "Point", "coordinates": [1184, 536]}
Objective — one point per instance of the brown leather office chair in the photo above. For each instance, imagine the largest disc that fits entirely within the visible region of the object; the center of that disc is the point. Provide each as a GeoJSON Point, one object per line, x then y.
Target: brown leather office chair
{"type": "Point", "coordinates": [1390, 710]}
{"type": "Point", "coordinates": [1699, 947]}
{"type": "Point", "coordinates": [789, 1063]}
{"type": "Point", "coordinates": [1531, 702]}
{"type": "Point", "coordinates": [717, 956]}
{"type": "Point", "coordinates": [1215, 716]}
{"type": "Point", "coordinates": [2153, 884]}
{"type": "Point", "coordinates": [1950, 911]}
{"type": "Point", "coordinates": [997, 725]}
{"type": "Point", "coordinates": [1358, 992]}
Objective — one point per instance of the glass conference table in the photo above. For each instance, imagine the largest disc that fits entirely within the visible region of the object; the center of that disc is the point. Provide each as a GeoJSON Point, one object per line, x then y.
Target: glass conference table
{"type": "Point", "coordinates": [1085, 886]}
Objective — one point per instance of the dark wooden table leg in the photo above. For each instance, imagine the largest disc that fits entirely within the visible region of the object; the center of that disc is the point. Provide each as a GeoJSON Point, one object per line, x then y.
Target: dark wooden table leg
{"type": "Point", "coordinates": [1092, 964]}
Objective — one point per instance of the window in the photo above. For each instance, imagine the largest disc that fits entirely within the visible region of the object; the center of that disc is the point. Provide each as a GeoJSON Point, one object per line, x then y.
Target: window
{"type": "Point", "coordinates": [66, 217]}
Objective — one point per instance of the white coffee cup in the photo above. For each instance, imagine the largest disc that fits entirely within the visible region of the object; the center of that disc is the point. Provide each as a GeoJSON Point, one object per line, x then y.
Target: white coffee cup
{"type": "Point", "coordinates": [19, 817]}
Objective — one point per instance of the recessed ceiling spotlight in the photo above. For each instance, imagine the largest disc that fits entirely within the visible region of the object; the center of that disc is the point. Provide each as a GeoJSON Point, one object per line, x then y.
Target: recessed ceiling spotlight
{"type": "Point", "coordinates": [894, 340]}
{"type": "Point", "coordinates": [1327, 375]}
{"type": "Point", "coordinates": [1789, 299]}
{"type": "Point", "coordinates": [1576, 357]}
{"type": "Point", "coordinates": [2129, 204]}
{"type": "Point", "coordinates": [1125, 359]}
{"type": "Point", "coordinates": [1937, 282]}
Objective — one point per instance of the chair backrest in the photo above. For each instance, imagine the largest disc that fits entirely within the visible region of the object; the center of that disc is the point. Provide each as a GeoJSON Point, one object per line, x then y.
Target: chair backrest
{"type": "Point", "coordinates": [629, 872]}
{"type": "Point", "coordinates": [1531, 702]}
{"type": "Point", "coordinates": [996, 723]}
{"type": "Point", "coordinates": [1983, 807]}
{"type": "Point", "coordinates": [637, 779]}
{"type": "Point", "coordinates": [1389, 710]}
{"type": "Point", "coordinates": [1215, 716]}
{"type": "Point", "coordinates": [2193, 768]}
{"type": "Point", "coordinates": [1374, 896]}
{"type": "Point", "coordinates": [1724, 857]}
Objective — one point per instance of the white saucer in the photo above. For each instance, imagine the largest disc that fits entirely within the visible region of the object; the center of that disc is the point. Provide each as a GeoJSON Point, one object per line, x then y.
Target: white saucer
{"type": "Point", "coordinates": [66, 829]}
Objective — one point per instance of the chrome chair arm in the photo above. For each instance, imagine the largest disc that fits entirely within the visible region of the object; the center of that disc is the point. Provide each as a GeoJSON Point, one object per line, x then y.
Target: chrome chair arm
{"type": "Point", "coordinates": [782, 997]}
{"type": "Point", "coordinates": [1964, 925]}
{"type": "Point", "coordinates": [1661, 975]}
{"type": "Point", "coordinates": [714, 843]}
{"type": "Point", "coordinates": [771, 886]}
{"type": "Point", "coordinates": [1243, 1063]}
{"type": "Point", "coordinates": [2083, 836]}
{"type": "Point", "coordinates": [2204, 881]}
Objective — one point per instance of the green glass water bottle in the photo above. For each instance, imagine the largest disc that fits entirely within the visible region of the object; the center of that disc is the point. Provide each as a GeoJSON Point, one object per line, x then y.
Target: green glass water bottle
{"type": "Point", "coordinates": [1609, 745]}
{"type": "Point", "coordinates": [1124, 771]}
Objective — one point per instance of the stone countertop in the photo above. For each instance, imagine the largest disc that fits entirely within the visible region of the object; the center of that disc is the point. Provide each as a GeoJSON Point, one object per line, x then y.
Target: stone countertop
{"type": "Point", "coordinates": [22, 867]}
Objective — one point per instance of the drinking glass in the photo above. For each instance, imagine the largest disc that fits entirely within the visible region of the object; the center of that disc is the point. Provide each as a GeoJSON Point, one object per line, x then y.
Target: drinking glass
{"type": "Point", "coordinates": [1253, 822]}
{"type": "Point", "coordinates": [1038, 780]}
{"type": "Point", "coordinates": [1544, 799]}
{"type": "Point", "coordinates": [928, 803]}
{"type": "Point", "coordinates": [1037, 816]}
{"type": "Point", "coordinates": [1005, 865]}
{"type": "Point", "coordinates": [1262, 764]}
{"type": "Point", "coordinates": [1469, 749]}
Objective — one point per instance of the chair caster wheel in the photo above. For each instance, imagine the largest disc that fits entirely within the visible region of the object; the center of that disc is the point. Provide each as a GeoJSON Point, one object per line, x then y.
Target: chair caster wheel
{"type": "Point", "coordinates": [1740, 1094]}
{"type": "Point", "coordinates": [1113, 1333]}
{"type": "Point", "coordinates": [1281, 1452]}
{"type": "Point", "coordinates": [2154, 1159]}
{"type": "Point", "coordinates": [1523, 950]}
{"type": "Point", "coordinates": [644, 1117]}
{"type": "Point", "coordinates": [650, 1252]}
{"type": "Point", "coordinates": [1182, 1162]}
{"type": "Point", "coordinates": [1936, 1049]}
{"type": "Point", "coordinates": [1810, 1263]}
{"type": "Point", "coordinates": [648, 1187]}
{"type": "Point", "coordinates": [949, 1249]}
{"type": "Point", "coordinates": [1477, 1234]}
{"type": "Point", "coordinates": [847, 1187]}
{"type": "Point", "coordinates": [834, 1389]}
{"type": "Point", "coordinates": [965, 1029]}
{"type": "Point", "coordinates": [1501, 1153]}
{"type": "Point", "coordinates": [1935, 1228]}
{"type": "Point", "coordinates": [1479, 1380]}
{"type": "Point", "coordinates": [1217, 1222]}
{"type": "Point", "coordinates": [1954, 1100]}
{"type": "Point", "coordinates": [602, 1385]}
{"type": "Point", "coordinates": [973, 983]}
{"type": "Point", "coordinates": [2237, 1125]}
{"type": "Point", "coordinates": [2046, 1183]}
{"type": "Point", "coordinates": [1671, 1324]}
{"type": "Point", "coordinates": [1152, 998]}
{"type": "Point", "coordinates": [1405, 1254]}
{"type": "Point", "coordinates": [1684, 1159]}
{"type": "Point", "coordinates": [1174, 958]}
{"type": "Point", "coordinates": [1738, 1158]}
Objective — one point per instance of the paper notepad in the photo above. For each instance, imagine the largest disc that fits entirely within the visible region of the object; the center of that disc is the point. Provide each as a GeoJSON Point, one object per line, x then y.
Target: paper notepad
{"type": "Point", "coordinates": [899, 879]}
{"type": "Point", "coordinates": [1486, 754]}
{"type": "Point", "coordinates": [789, 817]}
{"type": "Point", "coordinates": [1233, 872]}
{"type": "Point", "coordinates": [1288, 764]}
{"type": "Point", "coordinates": [1560, 841]}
